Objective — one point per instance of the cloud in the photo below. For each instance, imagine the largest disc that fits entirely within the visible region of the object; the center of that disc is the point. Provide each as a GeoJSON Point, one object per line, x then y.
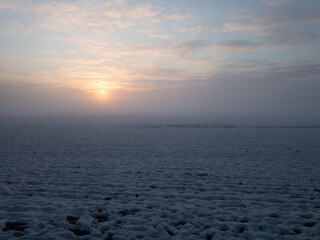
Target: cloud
{"type": "Point", "coordinates": [274, 17]}
{"type": "Point", "coordinates": [177, 17]}
{"type": "Point", "coordinates": [299, 73]}
{"type": "Point", "coordinates": [141, 12]}
{"type": "Point", "coordinates": [157, 49]}
{"type": "Point", "coordinates": [159, 36]}
{"type": "Point", "coordinates": [59, 16]}
{"type": "Point", "coordinates": [287, 37]}
{"type": "Point", "coordinates": [124, 10]}
{"type": "Point", "coordinates": [275, 3]}
{"type": "Point", "coordinates": [203, 29]}
{"type": "Point", "coordinates": [191, 45]}
{"type": "Point", "coordinates": [313, 53]}
{"type": "Point", "coordinates": [154, 21]}
{"type": "Point", "coordinates": [152, 33]}
{"type": "Point", "coordinates": [114, 3]}
{"type": "Point", "coordinates": [236, 45]}
{"type": "Point", "coordinates": [268, 73]}
{"type": "Point", "coordinates": [38, 7]}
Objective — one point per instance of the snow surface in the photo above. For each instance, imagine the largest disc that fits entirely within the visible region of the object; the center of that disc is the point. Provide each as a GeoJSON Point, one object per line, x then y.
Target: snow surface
{"type": "Point", "coordinates": [151, 182]}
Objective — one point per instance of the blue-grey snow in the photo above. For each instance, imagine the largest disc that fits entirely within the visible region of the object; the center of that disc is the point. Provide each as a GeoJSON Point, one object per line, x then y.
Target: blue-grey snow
{"type": "Point", "coordinates": [159, 182]}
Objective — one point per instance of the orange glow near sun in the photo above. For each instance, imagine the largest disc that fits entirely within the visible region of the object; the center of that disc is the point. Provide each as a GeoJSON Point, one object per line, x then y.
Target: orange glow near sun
{"type": "Point", "coordinates": [103, 96]}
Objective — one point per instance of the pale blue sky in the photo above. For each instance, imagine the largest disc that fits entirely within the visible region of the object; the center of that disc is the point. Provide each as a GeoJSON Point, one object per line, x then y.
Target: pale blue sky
{"type": "Point", "coordinates": [245, 57]}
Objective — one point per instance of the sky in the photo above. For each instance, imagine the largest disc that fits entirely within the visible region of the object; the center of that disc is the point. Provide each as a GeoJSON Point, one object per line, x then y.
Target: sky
{"type": "Point", "coordinates": [231, 60]}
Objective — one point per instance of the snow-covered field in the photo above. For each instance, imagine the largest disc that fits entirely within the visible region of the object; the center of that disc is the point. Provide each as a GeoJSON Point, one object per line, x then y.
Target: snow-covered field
{"type": "Point", "coordinates": [149, 182]}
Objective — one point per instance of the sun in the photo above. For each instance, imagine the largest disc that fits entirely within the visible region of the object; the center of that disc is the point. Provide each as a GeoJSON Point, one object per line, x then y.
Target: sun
{"type": "Point", "coordinates": [102, 95]}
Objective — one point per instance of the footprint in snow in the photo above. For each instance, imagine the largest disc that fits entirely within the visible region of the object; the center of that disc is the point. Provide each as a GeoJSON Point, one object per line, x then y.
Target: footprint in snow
{"type": "Point", "coordinates": [309, 224]}
{"type": "Point", "coordinates": [72, 220]}
{"type": "Point", "coordinates": [79, 232]}
{"type": "Point", "coordinates": [101, 218]}
{"type": "Point", "coordinates": [15, 226]}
